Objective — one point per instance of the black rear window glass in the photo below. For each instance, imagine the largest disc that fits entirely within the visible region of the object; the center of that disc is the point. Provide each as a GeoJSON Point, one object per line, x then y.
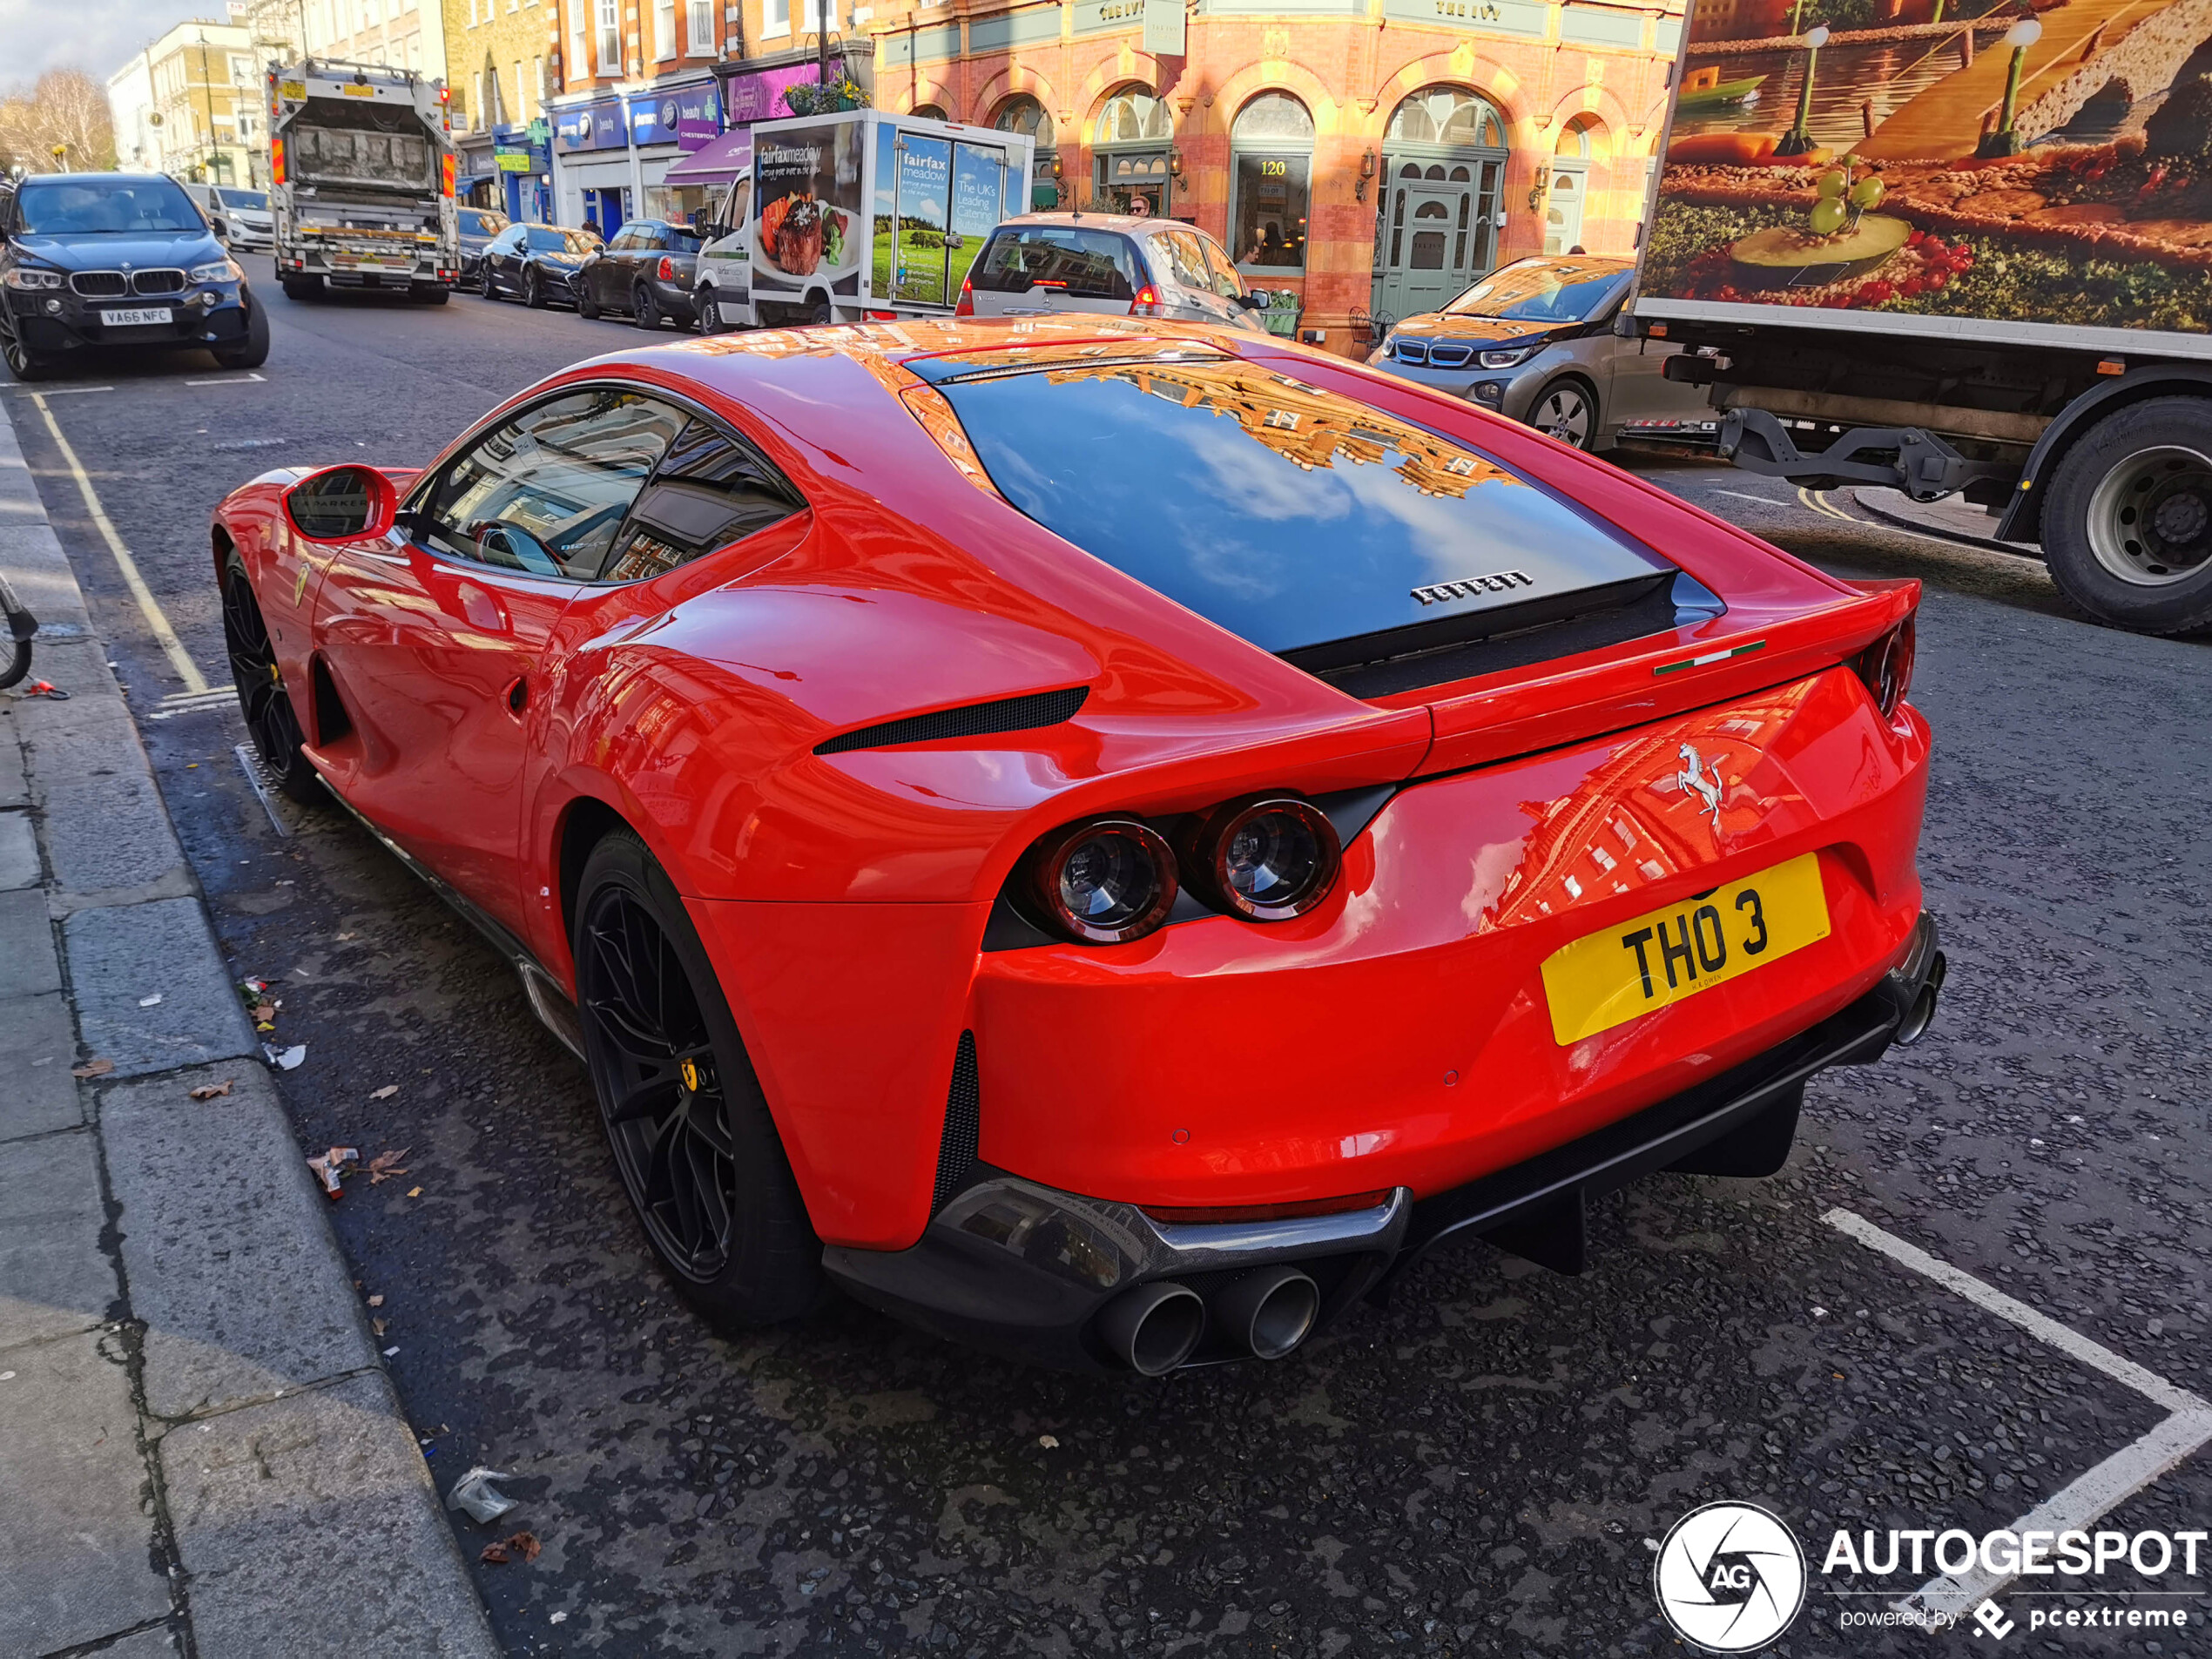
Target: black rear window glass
{"type": "Point", "coordinates": [709, 491]}
{"type": "Point", "coordinates": [1091, 265]}
{"type": "Point", "coordinates": [1291, 515]}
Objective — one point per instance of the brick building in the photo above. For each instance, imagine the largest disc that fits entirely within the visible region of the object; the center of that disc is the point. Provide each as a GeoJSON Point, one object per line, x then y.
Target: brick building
{"type": "Point", "coordinates": [1373, 155]}
{"type": "Point", "coordinates": [501, 73]}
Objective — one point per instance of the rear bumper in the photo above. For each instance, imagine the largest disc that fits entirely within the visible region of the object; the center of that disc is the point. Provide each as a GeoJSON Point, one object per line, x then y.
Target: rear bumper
{"type": "Point", "coordinates": [1021, 1269]}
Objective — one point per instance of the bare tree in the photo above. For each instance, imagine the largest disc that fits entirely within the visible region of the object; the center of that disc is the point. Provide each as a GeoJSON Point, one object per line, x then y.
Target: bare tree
{"type": "Point", "coordinates": [58, 124]}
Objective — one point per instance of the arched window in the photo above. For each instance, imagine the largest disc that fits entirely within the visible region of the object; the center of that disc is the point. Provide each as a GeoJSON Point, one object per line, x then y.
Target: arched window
{"type": "Point", "coordinates": [1132, 155]}
{"type": "Point", "coordinates": [1023, 113]}
{"type": "Point", "coordinates": [1445, 115]}
{"type": "Point", "coordinates": [1568, 185]}
{"type": "Point", "coordinates": [1271, 154]}
{"type": "Point", "coordinates": [930, 112]}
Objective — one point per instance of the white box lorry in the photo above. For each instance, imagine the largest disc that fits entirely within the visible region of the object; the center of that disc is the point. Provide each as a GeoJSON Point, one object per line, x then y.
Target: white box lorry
{"type": "Point", "coordinates": [1964, 253]}
{"type": "Point", "coordinates": [855, 215]}
{"type": "Point", "coordinates": [362, 181]}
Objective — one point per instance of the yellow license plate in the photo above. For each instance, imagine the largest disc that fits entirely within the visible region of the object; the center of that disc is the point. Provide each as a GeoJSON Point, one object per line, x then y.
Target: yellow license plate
{"type": "Point", "coordinates": [1657, 960]}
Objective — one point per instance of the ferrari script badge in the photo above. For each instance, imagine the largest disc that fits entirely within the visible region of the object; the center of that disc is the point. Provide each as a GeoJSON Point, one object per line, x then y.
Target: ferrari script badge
{"type": "Point", "coordinates": [1691, 779]}
{"type": "Point", "coordinates": [1496, 582]}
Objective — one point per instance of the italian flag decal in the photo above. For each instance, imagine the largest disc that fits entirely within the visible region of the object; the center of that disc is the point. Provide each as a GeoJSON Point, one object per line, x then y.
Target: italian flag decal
{"type": "Point", "coordinates": [1710, 656]}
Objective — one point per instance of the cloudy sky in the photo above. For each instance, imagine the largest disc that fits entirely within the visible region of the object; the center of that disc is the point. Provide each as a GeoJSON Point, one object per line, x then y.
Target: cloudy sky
{"type": "Point", "coordinates": [95, 36]}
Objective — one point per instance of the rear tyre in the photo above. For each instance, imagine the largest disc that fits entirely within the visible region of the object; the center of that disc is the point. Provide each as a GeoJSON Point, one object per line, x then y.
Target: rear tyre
{"type": "Point", "coordinates": [302, 288]}
{"type": "Point", "coordinates": [690, 1130]}
{"type": "Point", "coordinates": [431, 295]}
{"type": "Point", "coordinates": [1566, 410]}
{"type": "Point", "coordinates": [2128, 525]}
{"type": "Point", "coordinates": [709, 313]}
{"type": "Point", "coordinates": [644, 309]}
{"type": "Point", "coordinates": [254, 351]}
{"type": "Point", "coordinates": [821, 314]}
{"type": "Point", "coordinates": [262, 696]}
{"type": "Point", "coordinates": [533, 289]}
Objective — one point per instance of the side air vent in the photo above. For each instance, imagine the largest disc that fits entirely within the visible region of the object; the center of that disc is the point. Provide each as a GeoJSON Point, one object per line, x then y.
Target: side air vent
{"type": "Point", "coordinates": [332, 722]}
{"type": "Point", "coordinates": [964, 1126]}
{"type": "Point", "coordinates": [976, 720]}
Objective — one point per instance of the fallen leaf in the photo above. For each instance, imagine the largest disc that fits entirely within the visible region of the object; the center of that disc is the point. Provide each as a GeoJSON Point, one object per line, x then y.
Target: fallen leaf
{"type": "Point", "coordinates": [495, 1553]}
{"type": "Point", "coordinates": [377, 1325]}
{"type": "Point", "coordinates": [385, 1093]}
{"type": "Point", "coordinates": [415, 1192]}
{"type": "Point", "coordinates": [92, 1069]}
{"type": "Point", "coordinates": [506, 1549]}
{"type": "Point", "coordinates": [264, 1010]}
{"type": "Point", "coordinates": [342, 937]}
{"type": "Point", "coordinates": [376, 1301]}
{"type": "Point", "coordinates": [385, 1165]}
{"type": "Point", "coordinates": [213, 1091]}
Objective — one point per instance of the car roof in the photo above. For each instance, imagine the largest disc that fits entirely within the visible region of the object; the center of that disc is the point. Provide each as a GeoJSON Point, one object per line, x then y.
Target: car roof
{"type": "Point", "coordinates": [1128, 224]}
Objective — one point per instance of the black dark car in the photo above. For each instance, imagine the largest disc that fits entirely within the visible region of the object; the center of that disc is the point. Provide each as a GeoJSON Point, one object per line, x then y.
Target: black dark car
{"type": "Point", "coordinates": [647, 271]}
{"type": "Point", "coordinates": [538, 263]}
{"type": "Point", "coordinates": [478, 227]}
{"type": "Point", "coordinates": [118, 260]}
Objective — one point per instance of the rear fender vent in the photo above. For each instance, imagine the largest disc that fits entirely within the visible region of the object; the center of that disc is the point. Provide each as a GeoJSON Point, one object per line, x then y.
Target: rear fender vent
{"type": "Point", "coordinates": [974, 720]}
{"type": "Point", "coordinates": [332, 722]}
{"type": "Point", "coordinates": [957, 1152]}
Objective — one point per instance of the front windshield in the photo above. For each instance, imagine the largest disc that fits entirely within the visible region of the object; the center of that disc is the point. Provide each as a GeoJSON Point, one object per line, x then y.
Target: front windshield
{"type": "Point", "coordinates": [1542, 290]}
{"type": "Point", "coordinates": [106, 207]}
{"type": "Point", "coordinates": [258, 200]}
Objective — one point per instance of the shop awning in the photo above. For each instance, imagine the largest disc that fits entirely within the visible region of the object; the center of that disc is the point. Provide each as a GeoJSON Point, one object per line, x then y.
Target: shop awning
{"type": "Point", "coordinates": [717, 163]}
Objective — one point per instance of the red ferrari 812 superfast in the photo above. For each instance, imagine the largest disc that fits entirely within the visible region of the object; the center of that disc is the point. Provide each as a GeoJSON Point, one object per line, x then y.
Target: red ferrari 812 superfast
{"type": "Point", "coordinates": [1105, 838]}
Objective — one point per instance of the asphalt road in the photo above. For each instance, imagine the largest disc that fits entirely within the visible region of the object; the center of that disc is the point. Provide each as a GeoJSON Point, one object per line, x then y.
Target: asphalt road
{"type": "Point", "coordinates": [1484, 1468]}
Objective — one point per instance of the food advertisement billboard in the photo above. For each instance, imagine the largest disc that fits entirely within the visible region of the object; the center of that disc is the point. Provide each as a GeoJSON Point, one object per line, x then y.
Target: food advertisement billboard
{"type": "Point", "coordinates": [2044, 166]}
{"type": "Point", "coordinates": [807, 227]}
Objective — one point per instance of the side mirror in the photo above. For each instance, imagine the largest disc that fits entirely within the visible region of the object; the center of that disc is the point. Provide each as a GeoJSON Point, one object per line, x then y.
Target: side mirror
{"type": "Point", "coordinates": [341, 504]}
{"type": "Point", "coordinates": [220, 226]}
{"type": "Point", "coordinates": [1624, 324]}
{"type": "Point", "coordinates": [1253, 299]}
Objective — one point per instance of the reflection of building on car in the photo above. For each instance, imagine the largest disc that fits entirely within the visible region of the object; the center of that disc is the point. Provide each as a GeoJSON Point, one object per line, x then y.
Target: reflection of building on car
{"type": "Point", "coordinates": [1536, 342]}
{"type": "Point", "coordinates": [1443, 824]}
{"type": "Point", "coordinates": [117, 260]}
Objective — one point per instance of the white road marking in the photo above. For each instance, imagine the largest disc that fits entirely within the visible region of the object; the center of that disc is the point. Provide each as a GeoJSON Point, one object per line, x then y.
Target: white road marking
{"type": "Point", "coordinates": [171, 647]}
{"type": "Point", "coordinates": [59, 391]}
{"type": "Point", "coordinates": [229, 379]}
{"type": "Point", "coordinates": [1763, 500]}
{"type": "Point", "coordinates": [1943, 1601]}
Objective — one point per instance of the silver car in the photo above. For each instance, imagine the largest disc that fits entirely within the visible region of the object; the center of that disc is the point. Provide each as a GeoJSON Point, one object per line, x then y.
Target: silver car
{"type": "Point", "coordinates": [1048, 264]}
{"type": "Point", "coordinates": [1534, 340]}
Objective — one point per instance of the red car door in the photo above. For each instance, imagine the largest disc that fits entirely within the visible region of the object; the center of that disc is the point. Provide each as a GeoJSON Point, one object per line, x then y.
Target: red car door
{"type": "Point", "coordinates": [434, 636]}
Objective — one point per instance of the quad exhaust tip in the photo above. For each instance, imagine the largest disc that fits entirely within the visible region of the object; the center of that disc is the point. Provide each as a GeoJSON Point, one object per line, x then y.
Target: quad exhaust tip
{"type": "Point", "coordinates": [1153, 1329]}
{"type": "Point", "coordinates": [1269, 1311]}
{"type": "Point", "coordinates": [1919, 1017]}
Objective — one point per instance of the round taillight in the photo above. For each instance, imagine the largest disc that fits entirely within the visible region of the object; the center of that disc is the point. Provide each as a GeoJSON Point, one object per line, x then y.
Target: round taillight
{"type": "Point", "coordinates": [1104, 882]}
{"type": "Point", "coordinates": [1886, 666]}
{"type": "Point", "coordinates": [1266, 859]}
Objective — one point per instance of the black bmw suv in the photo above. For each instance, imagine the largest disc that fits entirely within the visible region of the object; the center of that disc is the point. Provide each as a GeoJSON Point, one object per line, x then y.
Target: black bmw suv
{"type": "Point", "coordinates": [116, 260]}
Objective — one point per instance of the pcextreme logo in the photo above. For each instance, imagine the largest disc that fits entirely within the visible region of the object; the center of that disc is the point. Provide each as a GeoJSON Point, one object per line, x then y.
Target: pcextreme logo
{"type": "Point", "coordinates": [1730, 1577]}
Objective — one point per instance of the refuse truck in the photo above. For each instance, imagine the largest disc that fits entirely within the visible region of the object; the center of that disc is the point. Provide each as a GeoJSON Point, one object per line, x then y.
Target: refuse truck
{"type": "Point", "coordinates": [362, 181]}
{"type": "Point", "coordinates": [857, 215]}
{"type": "Point", "coordinates": [1962, 252]}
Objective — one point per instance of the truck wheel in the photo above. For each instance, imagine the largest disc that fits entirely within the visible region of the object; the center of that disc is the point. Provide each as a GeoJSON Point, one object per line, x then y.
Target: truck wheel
{"type": "Point", "coordinates": [255, 351]}
{"type": "Point", "coordinates": [821, 314]}
{"type": "Point", "coordinates": [428, 294]}
{"type": "Point", "coordinates": [2127, 528]}
{"type": "Point", "coordinates": [710, 312]}
{"type": "Point", "coordinates": [303, 289]}
{"type": "Point", "coordinates": [1566, 410]}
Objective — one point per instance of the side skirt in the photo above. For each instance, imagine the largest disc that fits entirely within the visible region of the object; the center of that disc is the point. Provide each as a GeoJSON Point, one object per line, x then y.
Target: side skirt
{"type": "Point", "coordinates": [554, 1010]}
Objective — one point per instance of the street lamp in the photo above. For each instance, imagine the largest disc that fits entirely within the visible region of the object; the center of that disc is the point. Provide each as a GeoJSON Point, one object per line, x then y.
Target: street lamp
{"type": "Point", "coordinates": [2002, 140]}
{"type": "Point", "coordinates": [1797, 140]}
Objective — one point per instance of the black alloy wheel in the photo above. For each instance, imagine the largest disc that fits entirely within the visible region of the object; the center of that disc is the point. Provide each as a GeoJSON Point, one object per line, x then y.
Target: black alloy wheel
{"type": "Point", "coordinates": [533, 288]}
{"type": "Point", "coordinates": [587, 303]}
{"type": "Point", "coordinates": [262, 696]}
{"type": "Point", "coordinates": [24, 363]}
{"type": "Point", "coordinates": [685, 1116]}
{"type": "Point", "coordinates": [644, 309]}
{"type": "Point", "coordinates": [487, 284]}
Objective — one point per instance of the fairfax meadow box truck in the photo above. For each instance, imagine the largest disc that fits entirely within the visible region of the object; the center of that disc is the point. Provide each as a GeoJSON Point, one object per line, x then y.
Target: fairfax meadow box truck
{"type": "Point", "coordinates": [362, 181]}
{"type": "Point", "coordinates": [858, 215]}
{"type": "Point", "coordinates": [1974, 255]}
